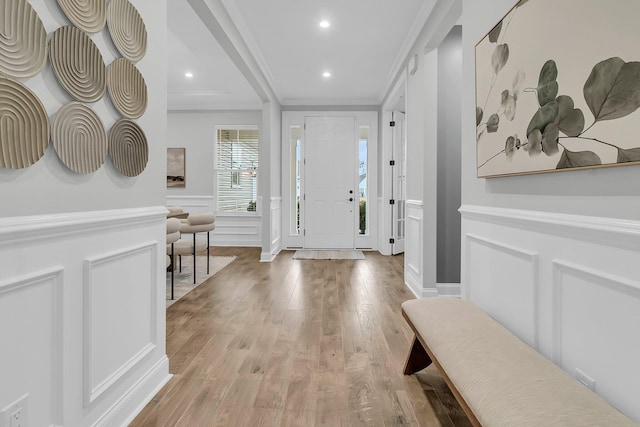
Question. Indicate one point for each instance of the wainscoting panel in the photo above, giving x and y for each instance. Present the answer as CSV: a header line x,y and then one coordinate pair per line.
x,y
276,226
512,302
243,229
592,310
569,281
123,281
413,271
82,317
192,204
31,333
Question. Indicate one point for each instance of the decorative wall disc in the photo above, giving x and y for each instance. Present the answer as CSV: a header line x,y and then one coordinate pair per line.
x,y
23,40
127,29
88,15
127,88
79,138
128,147
24,126
78,64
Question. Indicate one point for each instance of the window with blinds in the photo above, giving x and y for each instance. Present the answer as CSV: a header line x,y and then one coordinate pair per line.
x,y
236,169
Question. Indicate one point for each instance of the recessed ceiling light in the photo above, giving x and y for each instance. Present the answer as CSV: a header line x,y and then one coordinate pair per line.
x,y
326,74
188,75
325,24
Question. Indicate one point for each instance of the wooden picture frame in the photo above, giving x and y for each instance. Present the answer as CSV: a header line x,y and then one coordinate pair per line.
x,y
558,88
176,173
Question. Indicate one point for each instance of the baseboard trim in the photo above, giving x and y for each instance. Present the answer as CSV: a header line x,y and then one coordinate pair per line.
x,y
449,290
147,386
268,257
422,292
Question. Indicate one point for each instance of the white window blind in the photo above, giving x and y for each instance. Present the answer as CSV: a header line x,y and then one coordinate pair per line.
x,y
237,169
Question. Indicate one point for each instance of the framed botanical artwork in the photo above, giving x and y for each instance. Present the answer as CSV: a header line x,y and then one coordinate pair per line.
x,y
175,167
558,88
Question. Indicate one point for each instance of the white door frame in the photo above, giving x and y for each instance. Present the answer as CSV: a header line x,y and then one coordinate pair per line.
x,y
297,118
398,95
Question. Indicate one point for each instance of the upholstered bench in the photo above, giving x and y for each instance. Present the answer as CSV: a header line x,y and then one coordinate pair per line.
x,y
498,379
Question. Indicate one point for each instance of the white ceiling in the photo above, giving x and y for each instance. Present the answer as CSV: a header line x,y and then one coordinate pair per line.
x,y
363,48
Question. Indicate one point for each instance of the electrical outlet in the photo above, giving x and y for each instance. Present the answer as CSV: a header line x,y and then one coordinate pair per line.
x,y
586,380
15,415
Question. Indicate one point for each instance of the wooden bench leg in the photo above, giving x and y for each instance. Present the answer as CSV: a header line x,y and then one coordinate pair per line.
x,y
418,358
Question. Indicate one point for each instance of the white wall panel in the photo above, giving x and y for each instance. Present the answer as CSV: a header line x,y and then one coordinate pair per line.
x,y
244,229
31,337
276,229
413,271
507,281
570,280
123,281
82,319
594,312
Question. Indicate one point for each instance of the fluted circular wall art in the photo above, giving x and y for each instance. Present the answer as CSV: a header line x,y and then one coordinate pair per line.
x,y
77,64
23,40
79,138
128,147
88,15
24,126
127,88
127,29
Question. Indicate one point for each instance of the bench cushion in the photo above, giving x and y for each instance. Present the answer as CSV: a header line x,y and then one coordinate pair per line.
x,y
503,380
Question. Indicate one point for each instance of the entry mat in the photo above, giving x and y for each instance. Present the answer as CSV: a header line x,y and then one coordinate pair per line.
x,y
328,254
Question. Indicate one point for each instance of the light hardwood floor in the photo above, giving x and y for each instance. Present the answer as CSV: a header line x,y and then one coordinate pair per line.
x,y
296,343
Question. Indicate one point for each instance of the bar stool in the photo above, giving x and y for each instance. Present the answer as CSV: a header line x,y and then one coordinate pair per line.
x,y
194,224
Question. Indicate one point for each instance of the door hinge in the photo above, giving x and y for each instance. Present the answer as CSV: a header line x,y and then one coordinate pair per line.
x,y
392,123
392,202
392,163
392,240
304,161
304,197
304,232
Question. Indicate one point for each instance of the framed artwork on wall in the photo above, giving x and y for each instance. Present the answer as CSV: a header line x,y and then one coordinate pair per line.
x,y
176,167
558,88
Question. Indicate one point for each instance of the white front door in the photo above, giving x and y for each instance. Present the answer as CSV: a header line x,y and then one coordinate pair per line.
x,y
399,182
330,189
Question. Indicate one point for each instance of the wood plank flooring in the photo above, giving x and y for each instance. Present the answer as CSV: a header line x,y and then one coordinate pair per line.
x,y
297,343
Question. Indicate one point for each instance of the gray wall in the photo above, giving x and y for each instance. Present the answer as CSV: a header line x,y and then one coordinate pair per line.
x,y
608,192
449,139
48,187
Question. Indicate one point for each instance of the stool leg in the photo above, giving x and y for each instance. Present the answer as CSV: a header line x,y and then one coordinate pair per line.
x,y
194,258
207,252
172,268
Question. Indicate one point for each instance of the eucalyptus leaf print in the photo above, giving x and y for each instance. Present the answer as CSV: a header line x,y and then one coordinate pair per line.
x,y
500,57
630,155
547,84
613,89
545,115
550,139
570,159
569,87
492,123
570,119
511,145
495,33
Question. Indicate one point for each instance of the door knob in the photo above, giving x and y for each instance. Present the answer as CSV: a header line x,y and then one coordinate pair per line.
x,y
350,191
351,199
